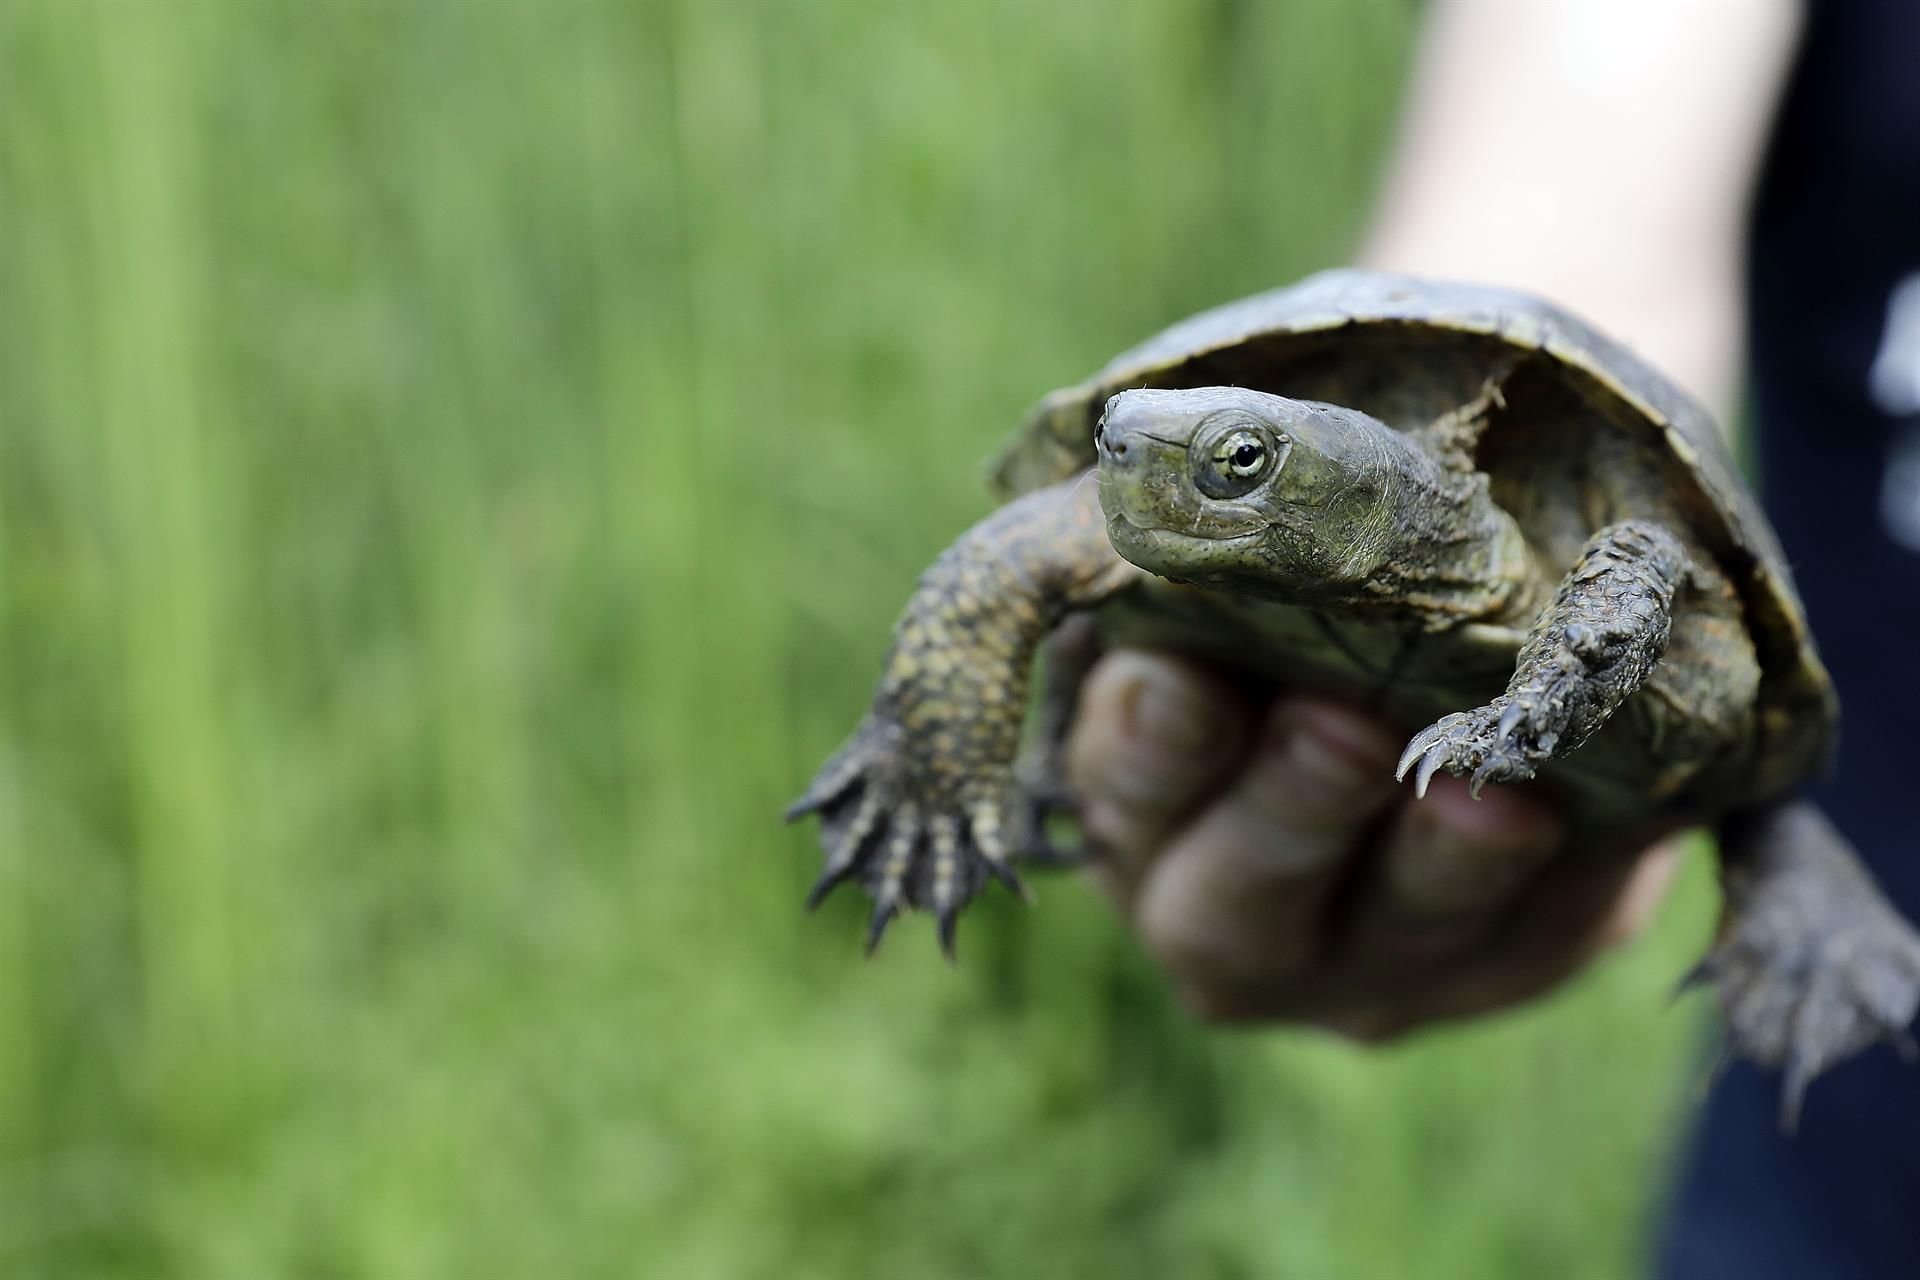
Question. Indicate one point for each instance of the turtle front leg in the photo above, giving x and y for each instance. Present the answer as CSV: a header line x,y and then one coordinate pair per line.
x,y
922,804
1592,647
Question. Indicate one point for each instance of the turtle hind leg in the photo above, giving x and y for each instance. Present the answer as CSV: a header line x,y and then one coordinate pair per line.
x,y
1811,963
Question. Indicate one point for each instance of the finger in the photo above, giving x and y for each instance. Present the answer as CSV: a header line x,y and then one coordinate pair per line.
x,y
1449,870
1155,735
1578,909
1239,894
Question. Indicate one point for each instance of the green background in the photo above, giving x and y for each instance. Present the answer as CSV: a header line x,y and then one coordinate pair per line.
x,y
458,464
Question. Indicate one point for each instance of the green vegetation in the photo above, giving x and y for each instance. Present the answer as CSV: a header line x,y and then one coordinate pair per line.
x,y
458,463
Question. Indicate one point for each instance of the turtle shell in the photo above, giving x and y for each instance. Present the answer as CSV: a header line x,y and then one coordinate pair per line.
x,y
1588,434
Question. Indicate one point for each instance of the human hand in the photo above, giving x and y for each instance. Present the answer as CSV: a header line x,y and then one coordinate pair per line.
x,y
1270,862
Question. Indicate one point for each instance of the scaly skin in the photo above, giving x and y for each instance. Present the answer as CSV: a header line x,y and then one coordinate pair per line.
x,y
1341,511
1812,964
1595,645
922,803
1326,508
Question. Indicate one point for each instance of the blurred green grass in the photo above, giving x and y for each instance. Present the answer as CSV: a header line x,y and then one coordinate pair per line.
x,y
458,464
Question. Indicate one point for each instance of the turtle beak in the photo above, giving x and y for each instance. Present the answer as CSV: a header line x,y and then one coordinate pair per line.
x,y
1124,440
1141,467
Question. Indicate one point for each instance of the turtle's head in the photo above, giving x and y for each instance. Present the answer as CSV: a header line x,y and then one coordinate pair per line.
x,y
1286,499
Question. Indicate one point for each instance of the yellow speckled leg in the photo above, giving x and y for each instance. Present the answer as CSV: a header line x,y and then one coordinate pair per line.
x,y
921,804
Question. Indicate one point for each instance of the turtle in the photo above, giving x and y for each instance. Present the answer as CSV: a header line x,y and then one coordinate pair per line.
x,y
1456,505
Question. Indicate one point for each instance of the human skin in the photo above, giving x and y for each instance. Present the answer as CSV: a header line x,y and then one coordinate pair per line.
x,y
1261,849
1274,868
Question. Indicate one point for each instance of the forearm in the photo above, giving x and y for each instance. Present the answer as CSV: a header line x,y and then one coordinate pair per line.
x,y
1599,152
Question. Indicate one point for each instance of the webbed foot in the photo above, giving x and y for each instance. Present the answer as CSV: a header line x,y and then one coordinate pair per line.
x,y
1812,964
914,835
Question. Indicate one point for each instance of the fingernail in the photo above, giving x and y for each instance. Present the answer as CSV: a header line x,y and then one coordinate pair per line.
x,y
1160,710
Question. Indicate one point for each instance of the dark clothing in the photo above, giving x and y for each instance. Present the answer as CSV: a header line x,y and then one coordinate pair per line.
x,y
1835,232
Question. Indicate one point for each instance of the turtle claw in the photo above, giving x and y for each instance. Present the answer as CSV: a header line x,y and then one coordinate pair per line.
x,y
913,838
1425,748
1429,765
836,778
1495,743
849,821
1496,768
1424,742
1701,975
829,881
1039,848
1042,774
945,927
883,914
1007,876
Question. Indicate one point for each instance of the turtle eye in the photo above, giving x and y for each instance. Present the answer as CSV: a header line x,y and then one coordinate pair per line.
x,y
1235,463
